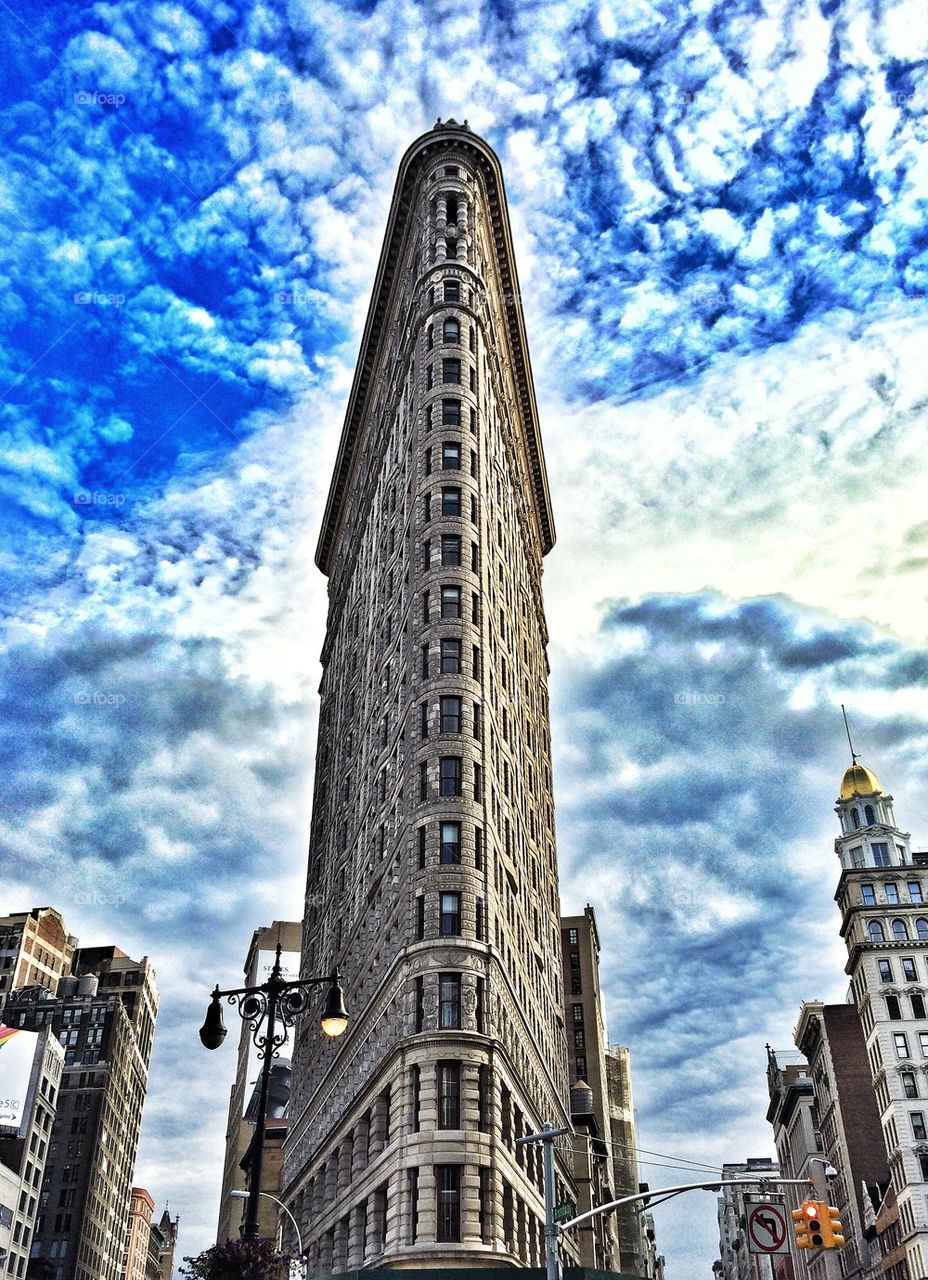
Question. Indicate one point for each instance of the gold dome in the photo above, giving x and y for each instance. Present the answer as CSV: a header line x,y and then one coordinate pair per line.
x,y
859,781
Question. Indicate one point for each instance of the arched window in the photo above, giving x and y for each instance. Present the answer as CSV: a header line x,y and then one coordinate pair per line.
x,y
451,330
855,818
875,930
921,928
900,932
869,814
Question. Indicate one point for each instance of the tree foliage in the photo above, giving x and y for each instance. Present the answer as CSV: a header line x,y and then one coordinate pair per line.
x,y
237,1260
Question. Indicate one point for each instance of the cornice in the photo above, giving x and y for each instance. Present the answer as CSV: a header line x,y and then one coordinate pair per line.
x,y
423,153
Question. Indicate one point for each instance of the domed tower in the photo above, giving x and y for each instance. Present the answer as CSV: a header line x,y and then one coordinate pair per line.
x,y
432,880
882,897
869,835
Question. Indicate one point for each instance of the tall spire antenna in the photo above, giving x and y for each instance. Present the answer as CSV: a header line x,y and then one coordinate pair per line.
x,y
847,730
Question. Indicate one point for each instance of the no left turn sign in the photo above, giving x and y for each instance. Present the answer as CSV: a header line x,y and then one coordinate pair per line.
x,y
767,1228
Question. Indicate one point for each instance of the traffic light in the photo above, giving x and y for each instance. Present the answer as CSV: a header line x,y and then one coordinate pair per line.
x,y
834,1231
807,1224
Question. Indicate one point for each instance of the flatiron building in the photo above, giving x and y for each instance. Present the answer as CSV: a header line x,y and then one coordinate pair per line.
x,y
432,880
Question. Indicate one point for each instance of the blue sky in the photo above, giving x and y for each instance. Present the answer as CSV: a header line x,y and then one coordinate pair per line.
x,y
719,215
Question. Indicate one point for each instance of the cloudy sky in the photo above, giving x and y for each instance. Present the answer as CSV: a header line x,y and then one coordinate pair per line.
x,y
719,216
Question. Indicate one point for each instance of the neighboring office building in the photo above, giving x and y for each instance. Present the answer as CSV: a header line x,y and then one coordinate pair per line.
x,y
796,1135
138,1234
432,878
882,893
35,950
240,1129
831,1039
736,1262
162,1243
104,1016
613,1241
30,1079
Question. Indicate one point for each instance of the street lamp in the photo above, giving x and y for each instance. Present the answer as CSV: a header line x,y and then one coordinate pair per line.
x,y
243,1195
278,1000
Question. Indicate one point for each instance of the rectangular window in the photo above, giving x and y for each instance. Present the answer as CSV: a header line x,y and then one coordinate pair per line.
x,y
412,1179
473,380
474,558
450,921
918,1125
892,1009
429,378
449,1001
476,662
450,657
423,719
477,725
909,1084
450,501
450,603
480,1009
480,915
425,660
421,851
426,554
425,608
448,1082
450,775
886,970
450,370
918,1006
923,1043
478,782
450,413
901,1041
880,854
423,780
452,291
420,916
579,1037
448,1198
451,715
892,892
473,508
867,896
450,549
909,973
915,891
450,456
473,462
577,1013
581,1066
576,984
478,848
428,462
573,937
420,1006
451,842
426,507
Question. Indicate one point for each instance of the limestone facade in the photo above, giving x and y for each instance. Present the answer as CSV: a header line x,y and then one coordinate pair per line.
x,y
432,880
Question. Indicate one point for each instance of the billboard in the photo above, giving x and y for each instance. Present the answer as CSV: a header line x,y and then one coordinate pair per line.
x,y
17,1054
279,1093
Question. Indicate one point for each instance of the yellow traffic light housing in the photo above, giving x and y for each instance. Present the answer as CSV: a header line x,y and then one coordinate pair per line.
x,y
808,1222
833,1229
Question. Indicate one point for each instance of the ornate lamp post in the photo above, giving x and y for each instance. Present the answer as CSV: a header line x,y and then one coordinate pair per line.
x,y
276,1003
